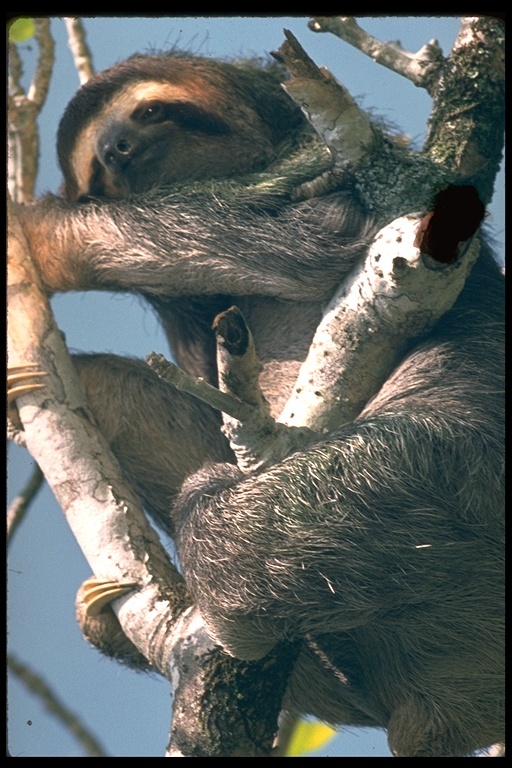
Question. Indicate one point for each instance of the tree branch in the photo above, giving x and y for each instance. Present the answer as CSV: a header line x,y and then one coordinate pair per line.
x,y
258,441
463,144
82,54
23,137
103,512
120,545
420,67
50,700
398,287
331,110
397,296
466,127
19,506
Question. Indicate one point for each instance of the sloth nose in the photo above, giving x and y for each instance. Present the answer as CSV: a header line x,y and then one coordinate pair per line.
x,y
116,150
117,153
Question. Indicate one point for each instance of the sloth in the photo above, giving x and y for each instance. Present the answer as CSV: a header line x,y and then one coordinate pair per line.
x,y
381,543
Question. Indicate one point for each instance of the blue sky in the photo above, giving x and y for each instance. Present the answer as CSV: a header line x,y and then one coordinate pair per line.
x,y
130,712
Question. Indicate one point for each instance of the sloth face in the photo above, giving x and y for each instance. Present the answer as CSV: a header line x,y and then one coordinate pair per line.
x,y
152,134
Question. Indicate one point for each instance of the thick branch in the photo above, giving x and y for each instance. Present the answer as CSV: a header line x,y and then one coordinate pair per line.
x,y
120,545
101,508
108,521
397,295
413,274
466,132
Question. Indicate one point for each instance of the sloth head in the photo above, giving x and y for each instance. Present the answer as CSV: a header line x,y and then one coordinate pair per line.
x,y
152,121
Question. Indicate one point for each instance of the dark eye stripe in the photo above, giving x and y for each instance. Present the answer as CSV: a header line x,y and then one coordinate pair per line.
x,y
184,114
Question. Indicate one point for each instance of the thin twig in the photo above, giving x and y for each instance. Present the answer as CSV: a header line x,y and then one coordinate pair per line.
x,y
19,506
199,388
418,67
42,690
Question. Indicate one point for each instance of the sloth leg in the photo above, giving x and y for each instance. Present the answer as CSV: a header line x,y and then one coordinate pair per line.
x,y
159,435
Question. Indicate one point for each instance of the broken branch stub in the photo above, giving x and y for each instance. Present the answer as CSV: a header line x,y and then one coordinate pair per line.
x,y
396,296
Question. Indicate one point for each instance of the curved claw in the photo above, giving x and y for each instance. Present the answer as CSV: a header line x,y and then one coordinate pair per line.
x,y
18,380
98,593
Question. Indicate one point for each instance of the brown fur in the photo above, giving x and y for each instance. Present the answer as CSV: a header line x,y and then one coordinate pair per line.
x,y
382,544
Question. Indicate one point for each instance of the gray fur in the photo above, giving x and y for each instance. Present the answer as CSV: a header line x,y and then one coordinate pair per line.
x,y
382,545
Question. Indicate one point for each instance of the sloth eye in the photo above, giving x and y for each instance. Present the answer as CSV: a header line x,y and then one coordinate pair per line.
x,y
150,113
183,114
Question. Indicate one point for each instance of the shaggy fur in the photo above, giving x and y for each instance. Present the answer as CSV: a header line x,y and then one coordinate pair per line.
x,y
382,545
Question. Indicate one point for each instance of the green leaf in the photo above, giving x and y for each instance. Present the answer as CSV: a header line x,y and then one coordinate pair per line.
x,y
308,736
21,29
